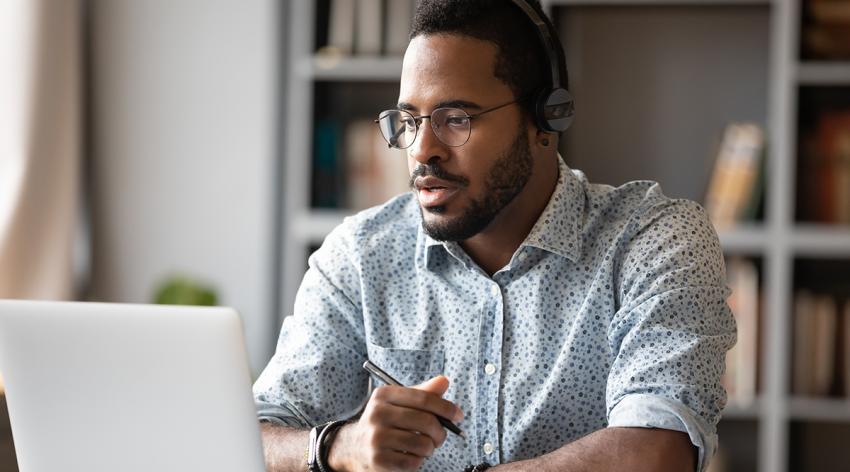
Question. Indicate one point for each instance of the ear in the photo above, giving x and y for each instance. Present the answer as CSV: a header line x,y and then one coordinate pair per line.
x,y
545,139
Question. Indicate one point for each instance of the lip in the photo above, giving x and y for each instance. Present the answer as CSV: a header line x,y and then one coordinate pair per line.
x,y
432,191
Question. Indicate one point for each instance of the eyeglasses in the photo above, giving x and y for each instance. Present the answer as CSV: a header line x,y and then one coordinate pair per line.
x,y
452,126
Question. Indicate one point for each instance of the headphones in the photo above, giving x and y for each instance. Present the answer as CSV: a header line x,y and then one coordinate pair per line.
x,y
554,106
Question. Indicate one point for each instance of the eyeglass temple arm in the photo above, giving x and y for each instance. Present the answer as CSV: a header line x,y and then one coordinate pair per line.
x,y
393,141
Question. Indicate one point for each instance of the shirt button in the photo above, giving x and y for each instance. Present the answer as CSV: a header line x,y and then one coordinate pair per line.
x,y
488,448
490,369
495,290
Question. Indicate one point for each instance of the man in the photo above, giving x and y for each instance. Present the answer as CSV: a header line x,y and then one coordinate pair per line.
x,y
563,325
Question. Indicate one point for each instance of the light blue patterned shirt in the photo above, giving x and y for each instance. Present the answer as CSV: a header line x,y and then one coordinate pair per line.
x,y
611,313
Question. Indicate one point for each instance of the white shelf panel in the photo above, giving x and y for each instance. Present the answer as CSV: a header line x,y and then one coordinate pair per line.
x,y
556,3
821,240
820,409
350,68
735,411
748,238
823,73
311,227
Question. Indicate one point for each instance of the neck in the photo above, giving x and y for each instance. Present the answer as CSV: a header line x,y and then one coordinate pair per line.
x,y
493,247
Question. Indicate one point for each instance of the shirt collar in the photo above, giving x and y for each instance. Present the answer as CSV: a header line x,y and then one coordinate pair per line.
x,y
556,230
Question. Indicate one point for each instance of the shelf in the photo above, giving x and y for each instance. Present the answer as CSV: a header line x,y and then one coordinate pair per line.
x,y
590,3
312,226
824,73
821,240
820,409
331,68
734,411
744,238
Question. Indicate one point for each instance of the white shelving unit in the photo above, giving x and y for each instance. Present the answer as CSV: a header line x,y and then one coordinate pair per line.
x,y
777,241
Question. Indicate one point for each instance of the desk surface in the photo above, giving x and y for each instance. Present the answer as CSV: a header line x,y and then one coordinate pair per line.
x,y
8,462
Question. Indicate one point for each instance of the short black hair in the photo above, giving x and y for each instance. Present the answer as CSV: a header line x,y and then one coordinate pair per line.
x,y
521,58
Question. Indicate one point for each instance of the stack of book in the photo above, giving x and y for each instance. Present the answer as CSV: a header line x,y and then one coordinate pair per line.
x,y
735,189
353,167
366,27
826,31
821,345
740,378
824,170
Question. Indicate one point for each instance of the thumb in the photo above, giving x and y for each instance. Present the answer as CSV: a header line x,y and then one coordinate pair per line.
x,y
437,385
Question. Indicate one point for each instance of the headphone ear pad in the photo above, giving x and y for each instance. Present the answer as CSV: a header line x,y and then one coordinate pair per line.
x,y
541,98
555,110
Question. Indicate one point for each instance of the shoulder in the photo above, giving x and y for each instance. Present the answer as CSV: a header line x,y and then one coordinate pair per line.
x,y
394,223
640,207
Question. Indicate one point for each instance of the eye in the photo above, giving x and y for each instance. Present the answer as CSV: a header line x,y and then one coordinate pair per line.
x,y
457,121
409,123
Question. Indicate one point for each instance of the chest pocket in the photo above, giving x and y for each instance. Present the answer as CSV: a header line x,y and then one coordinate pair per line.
x,y
408,366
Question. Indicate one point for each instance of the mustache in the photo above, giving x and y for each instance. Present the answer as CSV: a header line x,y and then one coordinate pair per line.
x,y
425,170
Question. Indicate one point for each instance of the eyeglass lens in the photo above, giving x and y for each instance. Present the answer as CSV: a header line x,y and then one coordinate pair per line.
x,y
399,128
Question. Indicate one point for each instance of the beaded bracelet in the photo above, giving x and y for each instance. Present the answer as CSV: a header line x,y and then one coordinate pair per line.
x,y
477,468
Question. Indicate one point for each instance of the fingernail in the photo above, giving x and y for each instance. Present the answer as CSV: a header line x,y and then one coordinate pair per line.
x,y
458,415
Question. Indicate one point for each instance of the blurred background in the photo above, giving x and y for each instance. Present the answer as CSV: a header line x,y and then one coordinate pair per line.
x,y
196,151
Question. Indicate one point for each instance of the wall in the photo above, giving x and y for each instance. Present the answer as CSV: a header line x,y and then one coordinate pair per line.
x,y
652,99
182,131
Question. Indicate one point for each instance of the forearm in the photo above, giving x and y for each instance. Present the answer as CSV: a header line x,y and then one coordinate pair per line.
x,y
284,448
616,449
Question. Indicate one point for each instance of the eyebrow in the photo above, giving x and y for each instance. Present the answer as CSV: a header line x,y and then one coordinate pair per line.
x,y
444,104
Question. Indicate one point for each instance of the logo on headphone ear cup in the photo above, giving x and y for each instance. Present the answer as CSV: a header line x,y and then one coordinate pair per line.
x,y
555,110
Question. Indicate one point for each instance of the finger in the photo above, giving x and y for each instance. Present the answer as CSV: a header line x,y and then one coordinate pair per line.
x,y
410,419
436,385
419,400
395,461
406,442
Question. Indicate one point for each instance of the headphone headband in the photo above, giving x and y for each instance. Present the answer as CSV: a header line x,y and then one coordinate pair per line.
x,y
554,106
545,36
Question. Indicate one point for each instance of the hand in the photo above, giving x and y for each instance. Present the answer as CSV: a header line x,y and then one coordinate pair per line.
x,y
397,431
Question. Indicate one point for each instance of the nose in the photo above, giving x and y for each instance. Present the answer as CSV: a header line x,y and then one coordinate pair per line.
x,y
427,146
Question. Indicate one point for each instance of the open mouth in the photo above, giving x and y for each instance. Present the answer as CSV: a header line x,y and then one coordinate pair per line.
x,y
434,196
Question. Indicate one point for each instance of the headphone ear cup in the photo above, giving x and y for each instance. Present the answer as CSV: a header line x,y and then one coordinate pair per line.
x,y
540,100
556,109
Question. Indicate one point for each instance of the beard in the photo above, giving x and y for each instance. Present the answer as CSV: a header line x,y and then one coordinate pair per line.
x,y
506,179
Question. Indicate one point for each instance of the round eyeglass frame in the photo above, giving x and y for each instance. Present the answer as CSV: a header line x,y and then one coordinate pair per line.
x,y
417,121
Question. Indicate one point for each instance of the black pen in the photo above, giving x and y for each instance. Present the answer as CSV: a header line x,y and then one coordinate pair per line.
x,y
387,378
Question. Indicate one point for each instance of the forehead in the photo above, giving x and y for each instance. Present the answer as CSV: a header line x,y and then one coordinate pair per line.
x,y
444,67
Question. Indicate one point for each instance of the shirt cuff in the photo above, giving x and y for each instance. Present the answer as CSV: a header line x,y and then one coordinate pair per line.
x,y
650,411
280,415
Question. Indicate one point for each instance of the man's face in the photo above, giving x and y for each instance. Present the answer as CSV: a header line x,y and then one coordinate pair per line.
x,y
462,189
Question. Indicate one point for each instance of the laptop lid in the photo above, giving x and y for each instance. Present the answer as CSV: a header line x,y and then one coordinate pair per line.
x,y
106,387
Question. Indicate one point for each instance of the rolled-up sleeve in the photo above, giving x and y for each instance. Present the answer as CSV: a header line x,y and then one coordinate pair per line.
x,y
670,336
315,374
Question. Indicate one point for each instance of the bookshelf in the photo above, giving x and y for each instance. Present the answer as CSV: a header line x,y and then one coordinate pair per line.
x,y
758,40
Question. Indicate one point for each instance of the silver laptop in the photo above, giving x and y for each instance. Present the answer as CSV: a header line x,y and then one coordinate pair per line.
x,y
108,387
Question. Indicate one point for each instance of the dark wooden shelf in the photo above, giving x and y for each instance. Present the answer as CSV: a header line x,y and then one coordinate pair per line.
x,y
8,461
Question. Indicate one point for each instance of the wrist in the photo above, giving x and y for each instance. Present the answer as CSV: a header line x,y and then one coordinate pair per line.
x,y
338,452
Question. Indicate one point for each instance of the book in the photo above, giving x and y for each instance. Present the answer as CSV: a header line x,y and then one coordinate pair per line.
x,y
803,339
845,357
735,174
826,30
740,378
328,179
341,27
823,359
367,32
374,171
399,18
824,180
833,148
815,335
